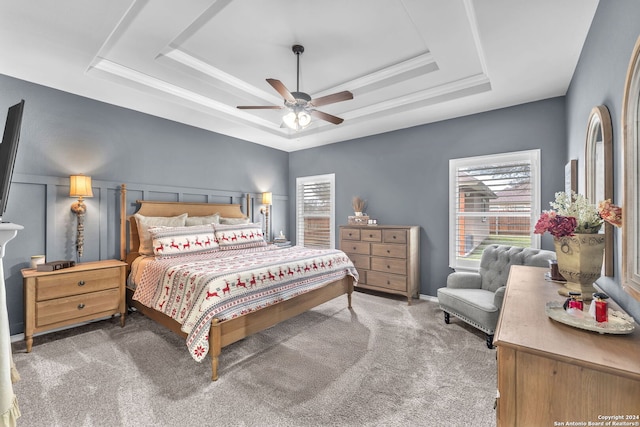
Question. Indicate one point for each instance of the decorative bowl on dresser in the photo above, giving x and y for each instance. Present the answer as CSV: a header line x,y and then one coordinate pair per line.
x,y
73,295
387,257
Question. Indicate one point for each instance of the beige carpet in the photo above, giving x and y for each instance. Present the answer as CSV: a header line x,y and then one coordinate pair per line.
x,y
382,364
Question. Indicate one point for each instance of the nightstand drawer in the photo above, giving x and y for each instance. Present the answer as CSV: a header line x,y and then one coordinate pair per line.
x,y
81,282
350,234
59,310
389,281
355,247
394,251
389,265
371,235
359,261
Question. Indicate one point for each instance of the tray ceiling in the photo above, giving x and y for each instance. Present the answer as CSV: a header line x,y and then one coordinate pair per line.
x,y
407,62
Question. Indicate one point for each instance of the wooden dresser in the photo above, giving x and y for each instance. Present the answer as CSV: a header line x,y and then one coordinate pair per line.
x,y
550,373
387,257
87,291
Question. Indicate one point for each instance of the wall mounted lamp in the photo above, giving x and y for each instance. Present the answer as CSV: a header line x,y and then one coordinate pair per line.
x,y
80,186
266,201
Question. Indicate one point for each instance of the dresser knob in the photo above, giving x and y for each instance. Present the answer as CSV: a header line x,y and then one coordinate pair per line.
x,y
388,266
80,306
370,236
394,236
354,248
81,283
388,282
388,251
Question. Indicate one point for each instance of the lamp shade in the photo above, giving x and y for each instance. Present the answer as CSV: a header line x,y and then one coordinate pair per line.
x,y
266,198
80,186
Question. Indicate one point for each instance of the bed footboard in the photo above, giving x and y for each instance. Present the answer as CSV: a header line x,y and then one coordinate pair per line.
x,y
224,333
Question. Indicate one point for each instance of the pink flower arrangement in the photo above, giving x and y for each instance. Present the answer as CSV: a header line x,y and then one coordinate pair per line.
x,y
574,214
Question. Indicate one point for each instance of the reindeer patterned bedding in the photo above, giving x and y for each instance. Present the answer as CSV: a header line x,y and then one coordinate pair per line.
x,y
193,289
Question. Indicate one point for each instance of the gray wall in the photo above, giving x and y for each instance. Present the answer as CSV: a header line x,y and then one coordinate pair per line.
x,y
599,80
64,134
404,175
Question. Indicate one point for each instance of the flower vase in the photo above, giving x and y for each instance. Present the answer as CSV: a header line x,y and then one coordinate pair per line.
x,y
580,262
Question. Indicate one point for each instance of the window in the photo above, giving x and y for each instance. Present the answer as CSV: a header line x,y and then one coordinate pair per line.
x,y
315,211
493,200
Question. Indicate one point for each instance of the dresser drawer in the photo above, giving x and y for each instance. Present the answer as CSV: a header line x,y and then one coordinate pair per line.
x,y
371,235
394,236
350,234
360,261
355,247
390,250
59,310
388,281
389,265
81,282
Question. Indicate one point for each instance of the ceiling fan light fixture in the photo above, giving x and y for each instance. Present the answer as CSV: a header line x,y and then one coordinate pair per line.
x,y
297,119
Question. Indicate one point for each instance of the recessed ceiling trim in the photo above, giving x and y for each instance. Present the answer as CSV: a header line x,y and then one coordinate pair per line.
x,y
455,89
194,63
118,70
373,80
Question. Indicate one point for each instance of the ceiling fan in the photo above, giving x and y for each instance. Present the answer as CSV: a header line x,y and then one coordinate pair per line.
x,y
300,105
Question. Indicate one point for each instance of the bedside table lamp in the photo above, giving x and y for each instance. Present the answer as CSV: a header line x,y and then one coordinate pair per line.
x,y
80,186
266,201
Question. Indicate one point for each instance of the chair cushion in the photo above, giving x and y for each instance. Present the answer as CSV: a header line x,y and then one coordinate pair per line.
x,y
475,306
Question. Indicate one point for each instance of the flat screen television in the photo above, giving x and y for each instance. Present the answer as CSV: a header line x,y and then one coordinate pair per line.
x,y
8,150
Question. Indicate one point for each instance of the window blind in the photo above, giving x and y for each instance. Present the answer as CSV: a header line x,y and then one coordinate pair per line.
x,y
315,211
494,201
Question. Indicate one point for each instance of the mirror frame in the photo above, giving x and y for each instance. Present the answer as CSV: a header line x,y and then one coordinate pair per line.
x,y
600,123
631,152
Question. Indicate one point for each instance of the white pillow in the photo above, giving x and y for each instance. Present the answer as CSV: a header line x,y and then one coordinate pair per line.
x,y
203,220
145,222
234,220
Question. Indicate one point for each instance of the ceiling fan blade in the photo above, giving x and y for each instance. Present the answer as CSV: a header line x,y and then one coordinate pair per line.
x,y
330,99
282,90
259,107
328,117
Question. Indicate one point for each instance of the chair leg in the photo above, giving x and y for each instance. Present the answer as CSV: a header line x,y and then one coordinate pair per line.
x,y
447,319
490,341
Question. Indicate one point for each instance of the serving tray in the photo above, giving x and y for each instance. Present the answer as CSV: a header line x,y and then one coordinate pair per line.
x,y
619,322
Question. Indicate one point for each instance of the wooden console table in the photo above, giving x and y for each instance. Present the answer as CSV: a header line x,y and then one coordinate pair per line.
x,y
550,373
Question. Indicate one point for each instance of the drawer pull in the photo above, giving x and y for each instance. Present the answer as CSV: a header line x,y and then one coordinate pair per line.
x,y
388,251
388,266
80,306
370,236
350,234
354,248
388,282
394,236
81,283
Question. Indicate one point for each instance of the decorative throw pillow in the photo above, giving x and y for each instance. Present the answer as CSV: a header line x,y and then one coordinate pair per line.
x,y
239,236
234,221
170,241
145,222
203,220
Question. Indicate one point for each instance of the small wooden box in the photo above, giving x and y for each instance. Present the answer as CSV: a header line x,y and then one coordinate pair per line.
x,y
358,220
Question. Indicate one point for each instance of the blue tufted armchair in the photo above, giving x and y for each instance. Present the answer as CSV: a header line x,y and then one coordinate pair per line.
x,y
476,298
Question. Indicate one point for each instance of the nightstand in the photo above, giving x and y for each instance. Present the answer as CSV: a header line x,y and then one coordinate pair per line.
x,y
87,291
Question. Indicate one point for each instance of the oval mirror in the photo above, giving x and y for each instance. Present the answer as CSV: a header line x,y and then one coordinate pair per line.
x,y
599,172
631,156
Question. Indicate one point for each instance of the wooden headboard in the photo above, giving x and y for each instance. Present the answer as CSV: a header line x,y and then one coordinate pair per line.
x,y
158,208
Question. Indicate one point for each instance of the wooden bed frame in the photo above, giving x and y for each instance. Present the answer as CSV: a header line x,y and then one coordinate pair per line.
x,y
221,334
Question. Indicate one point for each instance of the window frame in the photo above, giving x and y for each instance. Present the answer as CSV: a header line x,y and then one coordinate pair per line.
x,y
300,182
532,156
